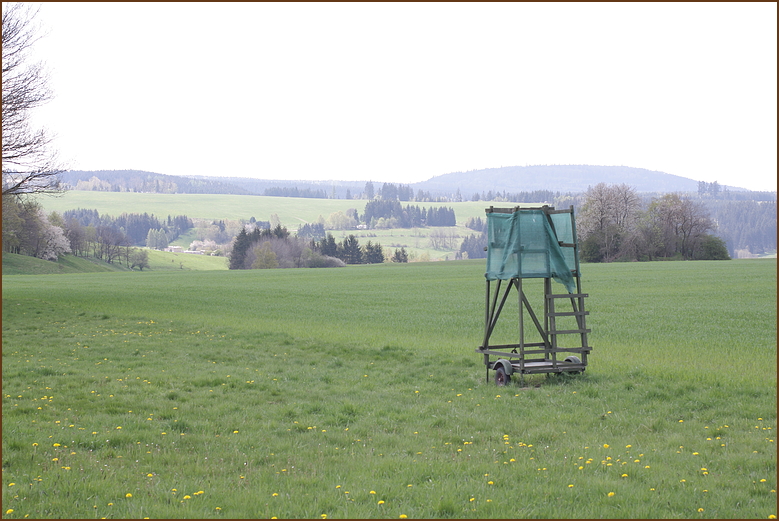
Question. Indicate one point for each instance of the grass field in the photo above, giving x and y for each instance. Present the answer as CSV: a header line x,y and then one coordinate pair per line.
x,y
356,392
292,211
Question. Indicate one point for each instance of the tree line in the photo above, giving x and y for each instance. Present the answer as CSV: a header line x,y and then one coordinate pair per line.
x,y
382,213
293,191
266,248
614,224
134,226
28,230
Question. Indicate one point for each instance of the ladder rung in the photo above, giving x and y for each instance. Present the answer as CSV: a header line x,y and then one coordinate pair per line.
x,y
570,331
568,314
568,295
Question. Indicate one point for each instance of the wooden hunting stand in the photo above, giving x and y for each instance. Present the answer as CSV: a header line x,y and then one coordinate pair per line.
x,y
537,242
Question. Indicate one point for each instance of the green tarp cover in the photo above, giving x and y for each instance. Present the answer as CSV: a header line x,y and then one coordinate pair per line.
x,y
524,244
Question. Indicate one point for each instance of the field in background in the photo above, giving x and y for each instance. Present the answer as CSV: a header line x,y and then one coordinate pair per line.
x,y
356,392
292,212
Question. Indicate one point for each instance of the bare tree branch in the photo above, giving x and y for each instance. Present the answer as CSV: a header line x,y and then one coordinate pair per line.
x,y
30,166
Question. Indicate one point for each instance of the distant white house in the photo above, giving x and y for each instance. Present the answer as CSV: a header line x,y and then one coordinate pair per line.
x,y
196,252
175,249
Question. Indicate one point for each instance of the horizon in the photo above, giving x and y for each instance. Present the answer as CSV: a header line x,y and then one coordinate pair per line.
x,y
329,181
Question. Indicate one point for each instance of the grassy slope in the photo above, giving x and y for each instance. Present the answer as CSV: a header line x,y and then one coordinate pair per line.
x,y
158,261
298,393
14,264
291,211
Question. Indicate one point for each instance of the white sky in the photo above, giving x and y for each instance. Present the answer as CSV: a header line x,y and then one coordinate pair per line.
x,y
406,91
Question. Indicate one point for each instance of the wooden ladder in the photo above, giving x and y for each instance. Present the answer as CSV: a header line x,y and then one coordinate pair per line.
x,y
551,315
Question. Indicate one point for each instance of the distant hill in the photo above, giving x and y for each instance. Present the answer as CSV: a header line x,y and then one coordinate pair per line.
x,y
558,178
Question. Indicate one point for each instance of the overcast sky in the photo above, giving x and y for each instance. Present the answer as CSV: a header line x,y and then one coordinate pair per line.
x,y
406,91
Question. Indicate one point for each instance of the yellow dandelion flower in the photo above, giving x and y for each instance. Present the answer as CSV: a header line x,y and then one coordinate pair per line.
x,y
381,502
275,494
472,499
11,484
324,516
403,516
605,445
128,495
187,497
570,486
9,511
611,494
372,492
700,510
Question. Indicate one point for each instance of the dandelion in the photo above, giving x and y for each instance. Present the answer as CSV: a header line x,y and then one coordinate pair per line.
x,y
605,445
324,516
372,492
403,516
149,475
275,494
381,502
11,484
218,508
624,475
570,486
611,494
700,510
9,511
472,499
490,482
187,497
56,445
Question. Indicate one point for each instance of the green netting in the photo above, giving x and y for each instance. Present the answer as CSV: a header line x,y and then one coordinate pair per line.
x,y
524,244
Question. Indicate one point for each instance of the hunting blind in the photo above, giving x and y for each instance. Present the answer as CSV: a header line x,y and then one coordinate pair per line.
x,y
534,243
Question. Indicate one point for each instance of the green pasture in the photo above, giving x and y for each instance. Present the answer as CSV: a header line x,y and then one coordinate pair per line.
x,y
292,211
14,264
356,393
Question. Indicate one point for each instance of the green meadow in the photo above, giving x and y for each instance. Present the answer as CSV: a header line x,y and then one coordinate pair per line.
x,y
356,393
292,211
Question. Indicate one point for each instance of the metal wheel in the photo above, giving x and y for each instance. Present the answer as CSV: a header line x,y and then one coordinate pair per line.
x,y
501,378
